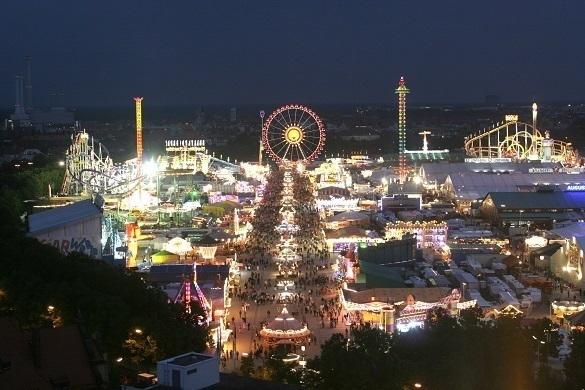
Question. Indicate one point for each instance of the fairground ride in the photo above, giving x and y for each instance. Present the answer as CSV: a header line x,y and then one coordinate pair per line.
x,y
293,134
89,169
515,140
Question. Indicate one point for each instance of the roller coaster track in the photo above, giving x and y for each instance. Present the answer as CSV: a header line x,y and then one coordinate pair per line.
x,y
518,141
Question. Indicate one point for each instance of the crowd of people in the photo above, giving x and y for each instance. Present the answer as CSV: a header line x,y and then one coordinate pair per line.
x,y
287,263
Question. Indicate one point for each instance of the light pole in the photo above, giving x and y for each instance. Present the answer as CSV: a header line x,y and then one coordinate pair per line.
x,y
538,342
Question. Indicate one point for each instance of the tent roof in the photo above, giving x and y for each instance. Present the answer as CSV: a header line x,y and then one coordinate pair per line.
x,y
349,216
178,245
538,200
347,232
284,322
164,253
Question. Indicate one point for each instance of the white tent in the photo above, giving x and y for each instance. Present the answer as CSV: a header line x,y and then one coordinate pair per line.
x,y
138,200
178,246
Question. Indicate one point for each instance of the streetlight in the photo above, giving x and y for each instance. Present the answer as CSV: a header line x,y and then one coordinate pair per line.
x,y
119,360
417,385
538,347
303,362
138,331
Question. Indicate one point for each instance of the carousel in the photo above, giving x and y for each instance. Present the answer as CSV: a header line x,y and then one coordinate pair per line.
x,y
285,330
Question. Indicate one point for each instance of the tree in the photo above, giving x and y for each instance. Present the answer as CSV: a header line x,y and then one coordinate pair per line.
x,y
105,301
546,330
276,369
574,364
367,360
247,366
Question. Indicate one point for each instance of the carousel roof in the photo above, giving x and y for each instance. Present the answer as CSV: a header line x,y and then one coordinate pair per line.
x,y
285,324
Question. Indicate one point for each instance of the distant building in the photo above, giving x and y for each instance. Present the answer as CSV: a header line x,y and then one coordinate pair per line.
x,y
233,114
429,234
190,371
402,197
397,203
543,209
53,120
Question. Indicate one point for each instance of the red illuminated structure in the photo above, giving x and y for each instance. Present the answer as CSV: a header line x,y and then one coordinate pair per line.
x,y
402,91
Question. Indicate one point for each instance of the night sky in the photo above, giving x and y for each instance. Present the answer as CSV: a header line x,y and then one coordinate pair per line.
x,y
237,52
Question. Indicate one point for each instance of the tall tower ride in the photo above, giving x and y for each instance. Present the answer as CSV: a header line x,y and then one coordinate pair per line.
x,y
139,149
261,146
401,91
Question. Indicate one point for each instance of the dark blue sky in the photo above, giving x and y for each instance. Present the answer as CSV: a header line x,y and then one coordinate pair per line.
x,y
236,52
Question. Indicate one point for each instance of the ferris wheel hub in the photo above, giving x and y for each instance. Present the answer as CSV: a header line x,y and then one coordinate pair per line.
x,y
293,135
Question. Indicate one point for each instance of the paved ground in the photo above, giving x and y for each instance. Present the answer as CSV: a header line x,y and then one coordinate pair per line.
x,y
257,313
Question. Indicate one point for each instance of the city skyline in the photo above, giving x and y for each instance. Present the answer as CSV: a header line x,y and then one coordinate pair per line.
x,y
264,53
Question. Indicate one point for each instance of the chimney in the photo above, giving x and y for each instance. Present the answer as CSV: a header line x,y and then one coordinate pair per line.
x,y
18,104
28,84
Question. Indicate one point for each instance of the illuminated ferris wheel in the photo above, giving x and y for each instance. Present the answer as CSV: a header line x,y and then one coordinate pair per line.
x,y
293,133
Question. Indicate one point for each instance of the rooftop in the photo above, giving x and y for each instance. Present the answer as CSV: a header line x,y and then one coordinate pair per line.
x,y
389,295
49,219
189,359
473,185
538,200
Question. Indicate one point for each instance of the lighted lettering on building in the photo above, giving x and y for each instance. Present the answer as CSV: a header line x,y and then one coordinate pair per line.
x,y
576,187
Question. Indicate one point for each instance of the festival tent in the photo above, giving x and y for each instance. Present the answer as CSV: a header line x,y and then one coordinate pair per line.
x,y
178,246
163,257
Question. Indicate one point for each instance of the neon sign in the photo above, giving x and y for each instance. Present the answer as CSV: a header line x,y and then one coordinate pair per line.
x,y
576,187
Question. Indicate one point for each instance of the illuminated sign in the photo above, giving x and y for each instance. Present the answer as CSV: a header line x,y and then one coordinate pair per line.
x,y
184,142
541,170
576,187
216,197
182,145
511,118
488,160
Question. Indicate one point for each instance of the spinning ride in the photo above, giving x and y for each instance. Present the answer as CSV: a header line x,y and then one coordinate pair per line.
x,y
293,133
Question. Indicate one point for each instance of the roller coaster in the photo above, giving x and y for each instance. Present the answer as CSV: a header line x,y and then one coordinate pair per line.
x,y
518,141
89,168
